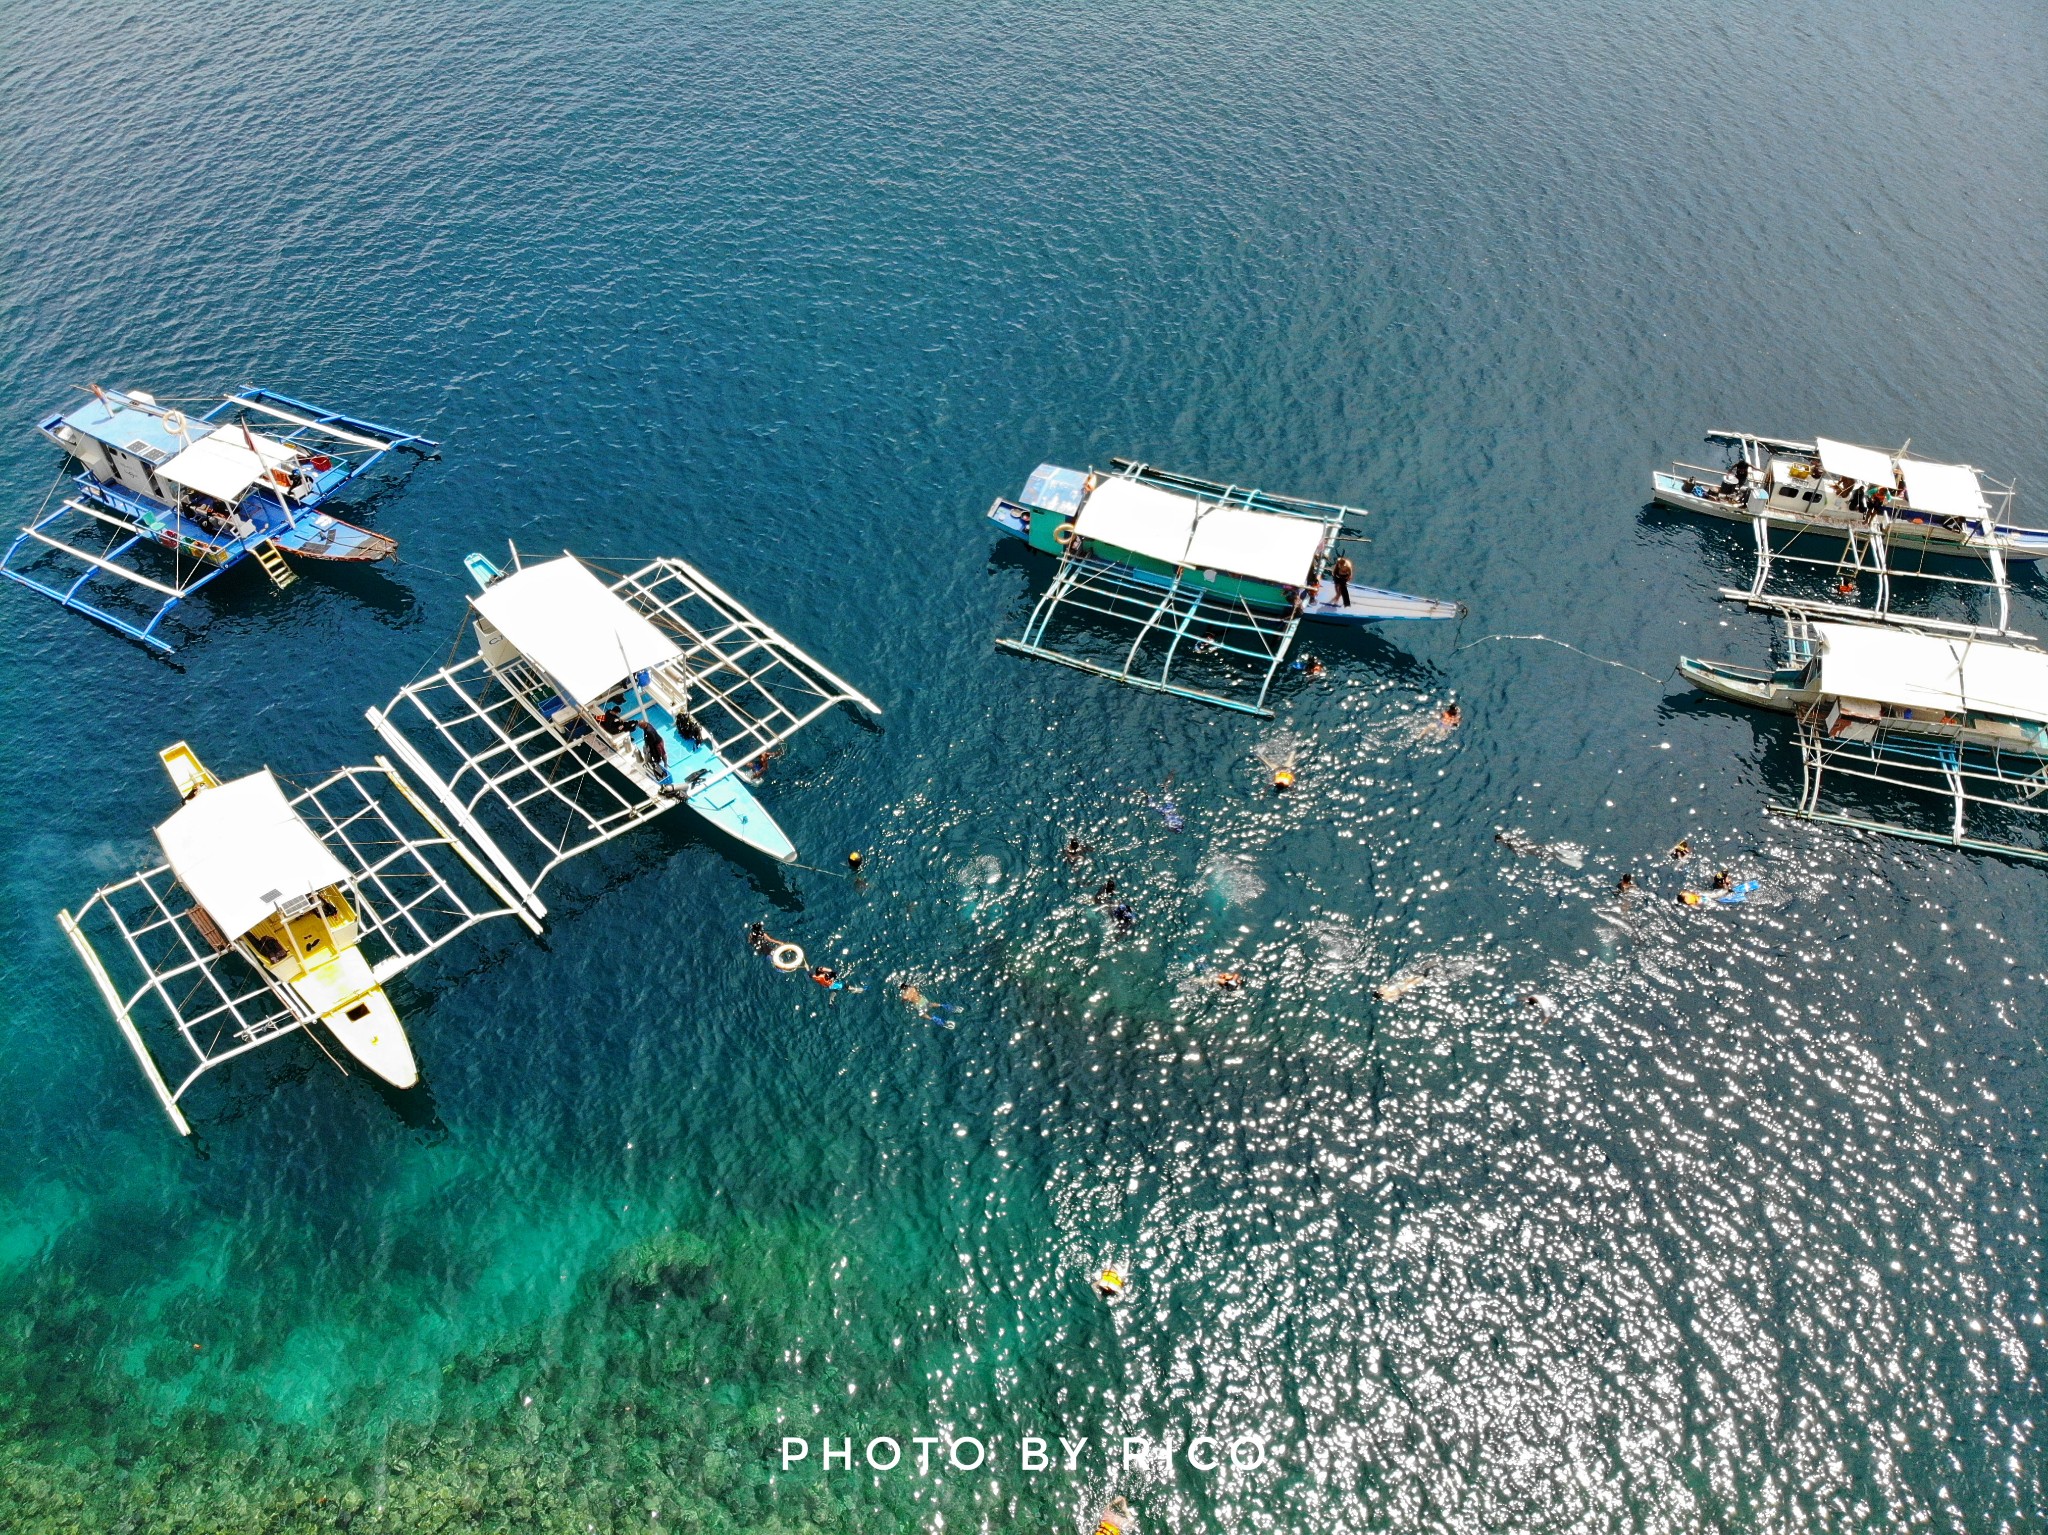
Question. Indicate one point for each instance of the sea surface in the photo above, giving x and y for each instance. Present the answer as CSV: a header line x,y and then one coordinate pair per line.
x,y
1740,1230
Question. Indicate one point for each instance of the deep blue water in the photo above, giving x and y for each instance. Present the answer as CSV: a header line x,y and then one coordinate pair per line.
x,y
1744,1236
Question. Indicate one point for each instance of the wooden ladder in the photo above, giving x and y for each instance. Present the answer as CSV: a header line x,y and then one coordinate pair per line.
x,y
271,558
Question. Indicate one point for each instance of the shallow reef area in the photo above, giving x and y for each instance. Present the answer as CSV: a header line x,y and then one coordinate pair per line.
x,y
657,1402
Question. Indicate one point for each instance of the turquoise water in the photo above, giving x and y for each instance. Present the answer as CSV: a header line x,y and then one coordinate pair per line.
x,y
1743,1236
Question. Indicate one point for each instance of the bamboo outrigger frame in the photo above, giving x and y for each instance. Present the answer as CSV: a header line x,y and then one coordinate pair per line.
x,y
1966,775
485,742
1166,611
1868,553
170,967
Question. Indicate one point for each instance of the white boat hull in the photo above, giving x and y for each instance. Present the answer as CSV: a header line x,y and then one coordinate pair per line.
x,y
2018,546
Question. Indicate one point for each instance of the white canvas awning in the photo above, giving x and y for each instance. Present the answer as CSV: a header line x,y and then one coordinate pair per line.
x,y
1919,671
1865,465
240,849
1140,518
220,464
1262,545
1180,530
563,619
1946,490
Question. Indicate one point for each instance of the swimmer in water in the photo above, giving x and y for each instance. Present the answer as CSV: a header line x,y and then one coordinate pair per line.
x,y
1075,850
1681,850
1228,980
925,1008
1449,717
1107,893
1625,884
1283,779
758,939
1126,920
1109,1284
1115,1519
1724,881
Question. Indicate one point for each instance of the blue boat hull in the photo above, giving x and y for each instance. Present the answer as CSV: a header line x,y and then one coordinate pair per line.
x,y
710,787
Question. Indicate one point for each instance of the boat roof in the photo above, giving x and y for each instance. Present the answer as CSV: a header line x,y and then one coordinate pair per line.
x,y
1180,530
563,619
241,849
129,427
1947,490
1924,671
221,465
1868,466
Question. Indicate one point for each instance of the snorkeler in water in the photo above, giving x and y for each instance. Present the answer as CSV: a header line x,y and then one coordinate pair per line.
x,y
1107,893
926,1009
1075,850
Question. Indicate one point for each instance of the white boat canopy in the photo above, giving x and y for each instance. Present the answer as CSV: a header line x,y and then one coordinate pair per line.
x,y
1141,518
1864,465
220,464
1180,530
572,626
1920,671
1946,490
240,849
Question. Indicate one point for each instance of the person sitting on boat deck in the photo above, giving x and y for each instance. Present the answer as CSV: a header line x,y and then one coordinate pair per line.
x,y
1340,577
689,727
1107,893
610,721
1075,850
268,946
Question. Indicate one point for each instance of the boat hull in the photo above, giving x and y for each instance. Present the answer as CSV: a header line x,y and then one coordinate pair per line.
x,y
1368,605
1751,685
353,1008
1905,530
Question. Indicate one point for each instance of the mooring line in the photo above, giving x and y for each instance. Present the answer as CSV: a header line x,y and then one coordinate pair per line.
x,y
1603,660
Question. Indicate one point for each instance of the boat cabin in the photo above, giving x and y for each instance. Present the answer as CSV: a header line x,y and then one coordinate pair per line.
x,y
261,878
1865,678
200,467
1233,551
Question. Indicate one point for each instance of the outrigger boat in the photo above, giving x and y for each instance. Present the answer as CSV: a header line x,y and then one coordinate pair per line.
x,y
592,706
259,921
1875,504
246,479
1198,567
1958,716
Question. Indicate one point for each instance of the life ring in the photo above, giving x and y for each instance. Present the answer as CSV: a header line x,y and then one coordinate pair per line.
x,y
1063,534
786,957
174,422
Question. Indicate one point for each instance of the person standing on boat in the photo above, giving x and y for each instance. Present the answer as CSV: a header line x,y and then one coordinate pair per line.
x,y
1340,577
